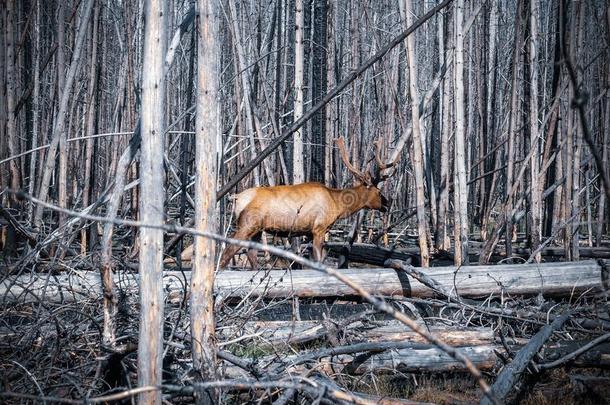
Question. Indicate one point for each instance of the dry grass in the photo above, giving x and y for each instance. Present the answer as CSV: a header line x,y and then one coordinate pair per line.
x,y
557,387
440,388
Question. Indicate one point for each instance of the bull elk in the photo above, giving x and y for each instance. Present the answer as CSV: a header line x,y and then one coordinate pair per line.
x,y
305,209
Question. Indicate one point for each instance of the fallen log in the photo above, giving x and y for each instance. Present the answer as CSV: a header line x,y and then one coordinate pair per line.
x,y
408,360
602,252
277,333
367,253
564,278
418,360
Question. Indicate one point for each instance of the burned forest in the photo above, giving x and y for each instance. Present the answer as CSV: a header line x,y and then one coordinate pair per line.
x,y
304,202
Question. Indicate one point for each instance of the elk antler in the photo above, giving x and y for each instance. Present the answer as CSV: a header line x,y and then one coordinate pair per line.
x,y
377,176
380,164
364,178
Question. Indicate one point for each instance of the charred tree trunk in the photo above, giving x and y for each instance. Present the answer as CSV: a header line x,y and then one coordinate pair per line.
x,y
319,85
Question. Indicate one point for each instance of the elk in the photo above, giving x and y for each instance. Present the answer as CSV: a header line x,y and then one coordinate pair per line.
x,y
305,209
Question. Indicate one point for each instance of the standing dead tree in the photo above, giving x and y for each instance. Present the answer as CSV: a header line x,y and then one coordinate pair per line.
x,y
206,218
59,124
150,347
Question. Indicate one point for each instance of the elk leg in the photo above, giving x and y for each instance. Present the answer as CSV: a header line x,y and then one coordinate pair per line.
x,y
244,233
252,253
318,240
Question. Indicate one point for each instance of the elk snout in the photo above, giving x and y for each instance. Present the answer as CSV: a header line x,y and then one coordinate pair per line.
x,y
385,204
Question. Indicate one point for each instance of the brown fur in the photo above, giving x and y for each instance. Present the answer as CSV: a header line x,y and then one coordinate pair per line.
x,y
300,209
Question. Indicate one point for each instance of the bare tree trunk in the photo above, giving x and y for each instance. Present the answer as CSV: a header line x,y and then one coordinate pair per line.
x,y
12,78
298,169
62,189
589,204
602,219
242,65
4,174
36,110
575,208
491,102
116,192
280,40
418,158
91,113
569,148
318,55
443,241
535,191
208,133
150,347
577,45
331,108
512,129
460,182
60,121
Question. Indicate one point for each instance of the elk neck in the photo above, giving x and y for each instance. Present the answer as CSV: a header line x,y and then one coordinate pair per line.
x,y
350,200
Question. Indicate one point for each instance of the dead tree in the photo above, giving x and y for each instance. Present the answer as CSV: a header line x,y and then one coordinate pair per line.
x,y
150,347
207,133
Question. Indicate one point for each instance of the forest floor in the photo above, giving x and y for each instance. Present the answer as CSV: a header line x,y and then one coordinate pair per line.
x,y
53,349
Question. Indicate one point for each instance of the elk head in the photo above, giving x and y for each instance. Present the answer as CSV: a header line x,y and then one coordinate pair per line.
x,y
369,179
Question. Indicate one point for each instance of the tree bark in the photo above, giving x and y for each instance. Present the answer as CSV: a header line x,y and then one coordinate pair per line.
x,y
602,218
418,141
490,118
36,104
62,173
91,114
12,78
460,184
298,169
535,191
511,154
577,49
443,241
5,179
150,347
319,79
207,136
